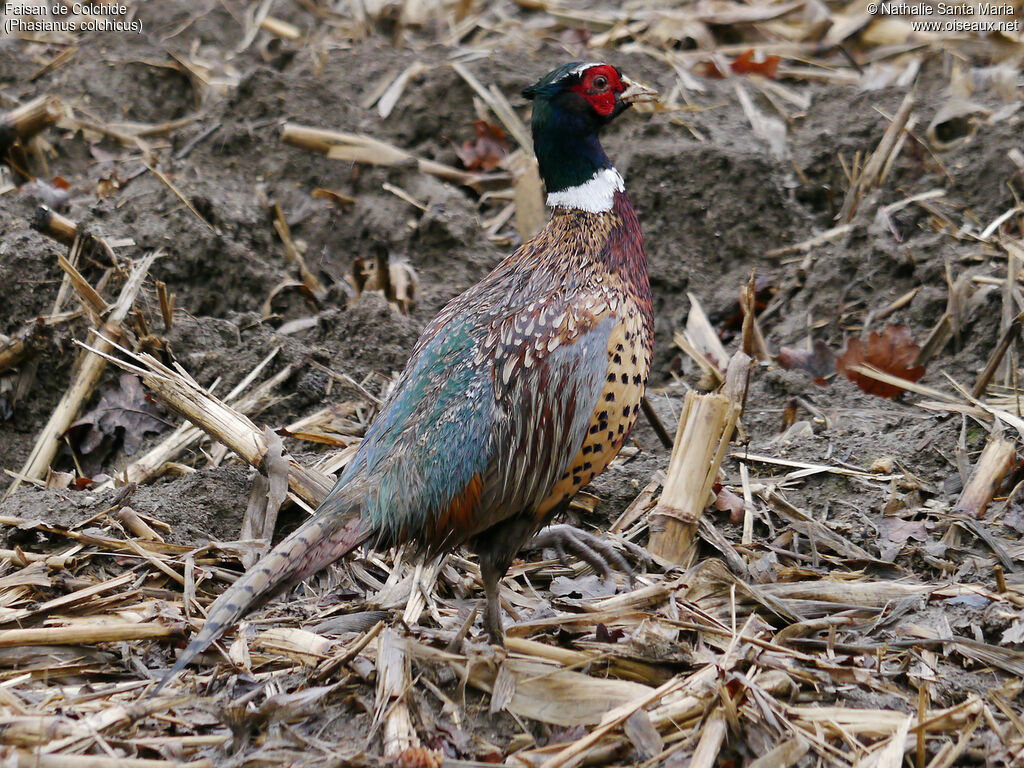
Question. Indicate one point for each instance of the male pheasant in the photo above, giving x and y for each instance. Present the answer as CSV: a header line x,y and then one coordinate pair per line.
x,y
517,394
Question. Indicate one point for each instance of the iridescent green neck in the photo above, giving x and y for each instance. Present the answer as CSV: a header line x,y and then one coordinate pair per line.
x,y
568,149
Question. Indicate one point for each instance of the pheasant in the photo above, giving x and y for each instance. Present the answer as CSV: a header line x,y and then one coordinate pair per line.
x,y
518,393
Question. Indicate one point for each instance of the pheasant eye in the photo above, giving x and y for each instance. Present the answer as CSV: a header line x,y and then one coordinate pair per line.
x,y
600,81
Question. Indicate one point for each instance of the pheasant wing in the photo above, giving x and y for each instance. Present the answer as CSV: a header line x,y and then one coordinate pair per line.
x,y
484,420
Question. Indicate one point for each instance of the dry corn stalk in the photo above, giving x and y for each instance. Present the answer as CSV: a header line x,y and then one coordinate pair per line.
x,y
49,222
394,277
35,759
26,121
360,148
185,397
700,341
151,464
705,428
393,681
21,346
299,645
753,340
996,460
310,280
88,373
873,169
529,197
82,633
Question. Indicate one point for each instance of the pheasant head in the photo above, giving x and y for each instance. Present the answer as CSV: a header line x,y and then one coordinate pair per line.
x,y
570,106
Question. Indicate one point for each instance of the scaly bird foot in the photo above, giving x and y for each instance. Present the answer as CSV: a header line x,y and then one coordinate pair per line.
x,y
595,551
492,575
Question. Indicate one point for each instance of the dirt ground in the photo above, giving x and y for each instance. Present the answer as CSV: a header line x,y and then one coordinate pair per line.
x,y
716,201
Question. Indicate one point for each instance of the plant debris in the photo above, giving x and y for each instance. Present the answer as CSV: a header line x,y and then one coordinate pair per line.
x,y
819,362
891,351
122,418
745,64
487,151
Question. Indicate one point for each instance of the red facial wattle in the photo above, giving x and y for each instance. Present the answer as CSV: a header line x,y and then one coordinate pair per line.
x,y
599,87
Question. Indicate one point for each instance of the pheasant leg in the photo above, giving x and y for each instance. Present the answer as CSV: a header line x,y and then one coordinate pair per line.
x,y
596,552
491,577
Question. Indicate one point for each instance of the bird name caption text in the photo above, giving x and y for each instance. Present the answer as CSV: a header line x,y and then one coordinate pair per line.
x,y
68,17
952,17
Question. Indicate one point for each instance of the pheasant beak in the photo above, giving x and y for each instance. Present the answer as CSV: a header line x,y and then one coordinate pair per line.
x,y
636,93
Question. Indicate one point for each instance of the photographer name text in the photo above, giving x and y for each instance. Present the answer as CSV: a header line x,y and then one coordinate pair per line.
x,y
952,17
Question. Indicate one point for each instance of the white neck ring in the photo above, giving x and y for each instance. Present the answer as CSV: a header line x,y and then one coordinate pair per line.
x,y
595,195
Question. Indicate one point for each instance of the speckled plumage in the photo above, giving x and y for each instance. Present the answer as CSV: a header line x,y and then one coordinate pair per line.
x,y
511,383
517,394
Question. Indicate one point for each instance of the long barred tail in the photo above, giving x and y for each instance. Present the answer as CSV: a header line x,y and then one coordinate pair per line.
x,y
325,537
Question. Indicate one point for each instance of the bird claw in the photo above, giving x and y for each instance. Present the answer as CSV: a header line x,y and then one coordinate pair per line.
x,y
595,551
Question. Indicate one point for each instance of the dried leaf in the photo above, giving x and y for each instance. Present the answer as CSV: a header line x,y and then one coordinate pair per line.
x,y
711,70
892,351
322,193
503,690
419,757
604,635
893,533
1013,633
124,415
108,184
101,155
789,414
587,587
487,151
727,501
745,65
641,732
819,362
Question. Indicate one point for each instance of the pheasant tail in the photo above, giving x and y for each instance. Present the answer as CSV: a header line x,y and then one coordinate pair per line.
x,y
327,536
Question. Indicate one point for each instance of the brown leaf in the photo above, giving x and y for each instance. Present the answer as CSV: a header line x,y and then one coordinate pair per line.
x,y
124,414
745,65
892,351
893,533
819,362
711,70
337,198
487,151
789,413
604,635
419,757
727,501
